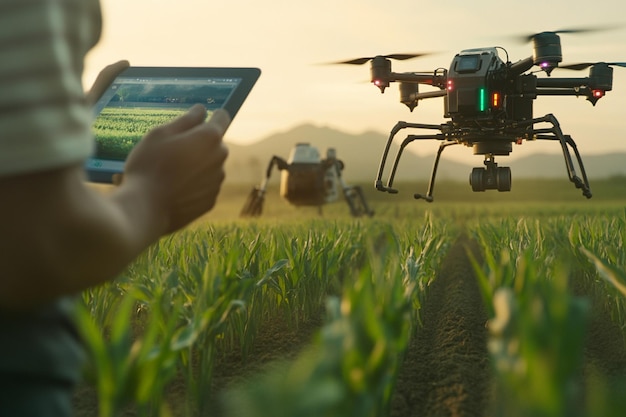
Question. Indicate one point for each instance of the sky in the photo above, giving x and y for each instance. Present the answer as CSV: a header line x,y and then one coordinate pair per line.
x,y
293,41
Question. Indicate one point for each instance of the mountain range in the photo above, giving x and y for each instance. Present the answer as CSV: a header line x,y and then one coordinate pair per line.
x,y
361,154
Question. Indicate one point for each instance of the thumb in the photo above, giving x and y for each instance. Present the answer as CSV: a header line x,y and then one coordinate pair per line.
x,y
194,116
104,80
220,120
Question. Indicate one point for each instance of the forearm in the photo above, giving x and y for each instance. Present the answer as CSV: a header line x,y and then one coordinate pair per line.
x,y
57,236
82,238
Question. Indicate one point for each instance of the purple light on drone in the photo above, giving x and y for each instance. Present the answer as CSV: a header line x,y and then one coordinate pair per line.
x,y
544,65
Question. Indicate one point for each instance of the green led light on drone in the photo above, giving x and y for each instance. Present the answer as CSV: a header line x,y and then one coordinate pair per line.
x,y
482,99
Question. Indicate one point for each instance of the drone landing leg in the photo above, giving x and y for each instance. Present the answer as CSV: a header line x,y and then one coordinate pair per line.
x,y
398,127
389,187
379,182
431,184
565,140
579,183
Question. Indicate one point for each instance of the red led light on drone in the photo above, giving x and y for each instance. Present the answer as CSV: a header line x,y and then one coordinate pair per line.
x,y
450,85
597,93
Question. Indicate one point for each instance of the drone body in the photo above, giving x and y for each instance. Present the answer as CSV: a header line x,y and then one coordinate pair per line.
x,y
489,104
308,180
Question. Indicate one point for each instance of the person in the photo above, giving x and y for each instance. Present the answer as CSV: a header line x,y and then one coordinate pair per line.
x,y
58,235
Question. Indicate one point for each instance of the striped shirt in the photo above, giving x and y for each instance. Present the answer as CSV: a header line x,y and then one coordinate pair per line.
x,y
44,120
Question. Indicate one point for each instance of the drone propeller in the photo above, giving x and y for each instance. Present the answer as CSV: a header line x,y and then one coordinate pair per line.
x,y
399,57
585,65
528,38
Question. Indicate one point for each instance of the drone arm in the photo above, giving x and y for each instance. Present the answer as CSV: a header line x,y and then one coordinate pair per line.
x,y
582,91
562,82
409,95
411,77
521,66
586,87
594,87
564,86
431,94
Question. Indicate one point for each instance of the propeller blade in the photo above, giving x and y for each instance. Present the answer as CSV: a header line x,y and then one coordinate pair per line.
x,y
582,30
399,57
576,67
402,57
529,37
585,65
357,61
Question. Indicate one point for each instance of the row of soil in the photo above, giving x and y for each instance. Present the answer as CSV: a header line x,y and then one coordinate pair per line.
x,y
446,367
447,371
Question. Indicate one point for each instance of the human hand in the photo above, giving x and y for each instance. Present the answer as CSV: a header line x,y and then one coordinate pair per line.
x,y
179,166
103,80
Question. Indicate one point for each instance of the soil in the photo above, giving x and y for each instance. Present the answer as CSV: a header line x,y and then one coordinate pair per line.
x,y
446,370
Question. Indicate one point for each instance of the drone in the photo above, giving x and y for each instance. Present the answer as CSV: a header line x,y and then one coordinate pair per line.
x,y
308,180
489,102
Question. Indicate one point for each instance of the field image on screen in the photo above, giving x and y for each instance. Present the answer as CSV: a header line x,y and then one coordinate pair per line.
x,y
133,106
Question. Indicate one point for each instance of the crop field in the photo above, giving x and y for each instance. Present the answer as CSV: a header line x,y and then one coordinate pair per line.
x,y
118,129
496,307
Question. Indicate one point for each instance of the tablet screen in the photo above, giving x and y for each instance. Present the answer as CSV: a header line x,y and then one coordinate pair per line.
x,y
142,98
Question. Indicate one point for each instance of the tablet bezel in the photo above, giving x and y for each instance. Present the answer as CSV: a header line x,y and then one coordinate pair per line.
x,y
247,75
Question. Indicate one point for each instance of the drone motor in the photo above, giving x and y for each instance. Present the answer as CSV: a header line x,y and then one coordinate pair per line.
x,y
408,94
547,51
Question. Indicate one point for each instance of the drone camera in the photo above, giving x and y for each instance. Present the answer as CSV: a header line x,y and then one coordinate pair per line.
x,y
491,177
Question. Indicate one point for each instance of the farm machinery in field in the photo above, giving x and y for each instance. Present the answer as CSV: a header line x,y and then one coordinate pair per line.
x,y
308,180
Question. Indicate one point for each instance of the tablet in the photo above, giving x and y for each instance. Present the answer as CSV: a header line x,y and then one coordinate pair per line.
x,y
141,98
